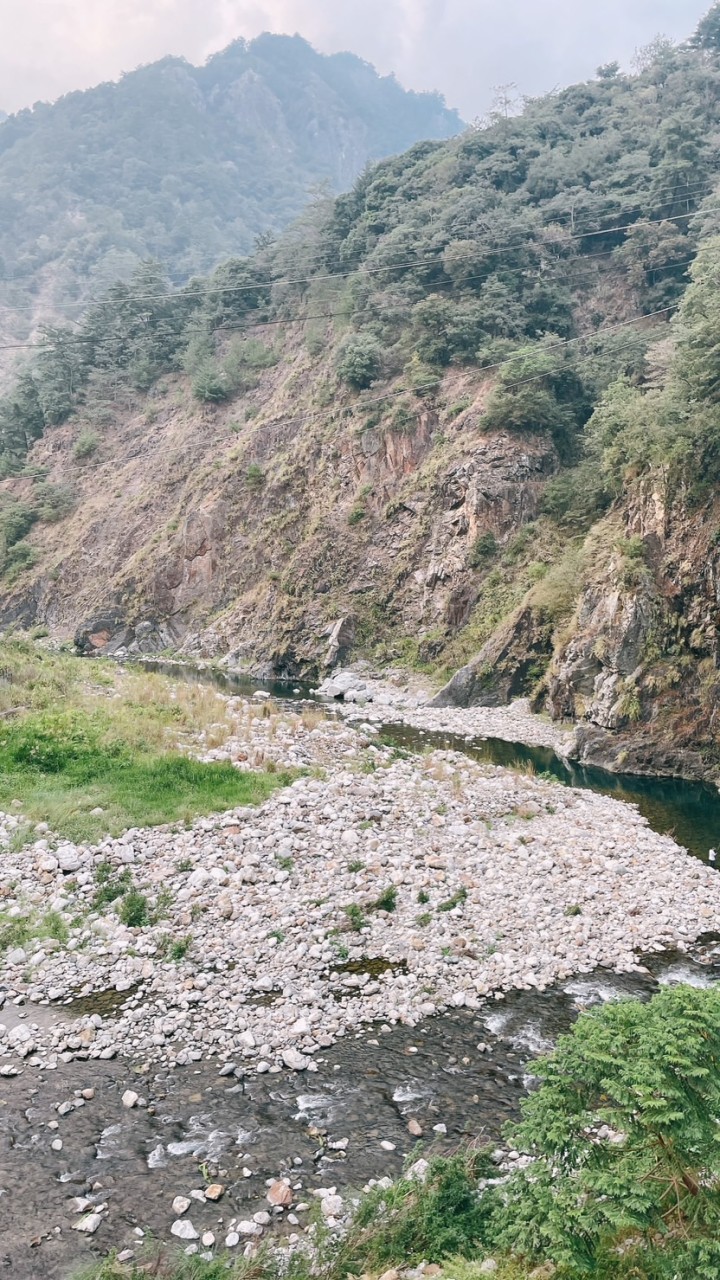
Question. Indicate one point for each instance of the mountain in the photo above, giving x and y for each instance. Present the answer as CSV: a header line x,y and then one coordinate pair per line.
x,y
186,165
466,418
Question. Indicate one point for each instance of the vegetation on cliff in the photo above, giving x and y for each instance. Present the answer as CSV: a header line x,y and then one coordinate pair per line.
x,y
186,164
454,389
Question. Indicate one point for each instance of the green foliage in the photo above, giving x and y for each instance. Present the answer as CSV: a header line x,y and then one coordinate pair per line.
x,y
483,549
359,361
623,1132
86,445
50,742
133,910
111,884
430,1221
707,35
355,917
210,383
254,476
19,931
386,901
456,901
160,169
64,763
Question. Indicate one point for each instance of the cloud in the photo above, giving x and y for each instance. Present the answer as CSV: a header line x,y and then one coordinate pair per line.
x,y
461,47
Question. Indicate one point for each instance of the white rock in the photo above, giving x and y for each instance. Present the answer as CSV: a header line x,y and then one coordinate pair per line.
x,y
88,1224
295,1060
183,1229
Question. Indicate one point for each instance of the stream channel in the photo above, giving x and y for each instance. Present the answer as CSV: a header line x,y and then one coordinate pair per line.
x,y
464,1071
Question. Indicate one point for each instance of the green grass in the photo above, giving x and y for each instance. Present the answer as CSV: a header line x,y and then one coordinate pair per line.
x,y
62,764
18,931
132,793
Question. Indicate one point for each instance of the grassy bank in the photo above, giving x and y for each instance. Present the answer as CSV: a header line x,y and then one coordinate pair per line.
x,y
93,749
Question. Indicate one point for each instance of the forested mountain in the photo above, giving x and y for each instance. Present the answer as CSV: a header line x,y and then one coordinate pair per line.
x,y
468,411
187,164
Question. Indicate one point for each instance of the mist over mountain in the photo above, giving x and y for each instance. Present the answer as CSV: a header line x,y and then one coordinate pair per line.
x,y
187,165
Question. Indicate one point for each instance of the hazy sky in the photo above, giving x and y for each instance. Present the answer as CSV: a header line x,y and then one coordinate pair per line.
x,y
461,47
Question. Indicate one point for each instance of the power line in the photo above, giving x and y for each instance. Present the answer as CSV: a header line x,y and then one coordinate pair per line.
x,y
326,315
482,370
426,258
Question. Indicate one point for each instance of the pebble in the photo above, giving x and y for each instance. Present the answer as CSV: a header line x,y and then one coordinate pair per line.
x,y
503,859
180,1205
130,1099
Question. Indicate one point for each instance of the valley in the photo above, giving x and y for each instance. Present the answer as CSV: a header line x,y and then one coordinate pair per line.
x,y
359,675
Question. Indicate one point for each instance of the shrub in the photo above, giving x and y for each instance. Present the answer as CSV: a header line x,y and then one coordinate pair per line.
x,y
387,900
254,476
356,919
210,384
86,445
483,549
412,1221
360,361
134,909
623,1132
21,556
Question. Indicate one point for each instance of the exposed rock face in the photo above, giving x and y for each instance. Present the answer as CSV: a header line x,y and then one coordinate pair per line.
x,y
505,666
348,534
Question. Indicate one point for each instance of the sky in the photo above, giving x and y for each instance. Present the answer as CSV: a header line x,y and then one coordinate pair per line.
x,y
461,47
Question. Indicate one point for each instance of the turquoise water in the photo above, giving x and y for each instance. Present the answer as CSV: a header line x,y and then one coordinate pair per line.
x,y
688,811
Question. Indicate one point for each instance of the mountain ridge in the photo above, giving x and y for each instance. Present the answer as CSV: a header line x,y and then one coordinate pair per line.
x,y
186,165
465,415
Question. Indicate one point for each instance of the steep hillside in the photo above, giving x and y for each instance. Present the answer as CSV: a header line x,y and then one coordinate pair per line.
x,y
466,416
186,164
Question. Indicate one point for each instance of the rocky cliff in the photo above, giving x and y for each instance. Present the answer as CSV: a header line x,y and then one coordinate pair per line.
x,y
256,528
463,419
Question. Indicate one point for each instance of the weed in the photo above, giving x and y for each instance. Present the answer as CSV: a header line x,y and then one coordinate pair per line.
x,y
134,911
356,865
111,884
175,949
387,900
356,919
423,898
455,901
424,919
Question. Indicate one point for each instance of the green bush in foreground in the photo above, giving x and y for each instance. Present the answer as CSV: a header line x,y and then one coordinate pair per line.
x,y
625,1137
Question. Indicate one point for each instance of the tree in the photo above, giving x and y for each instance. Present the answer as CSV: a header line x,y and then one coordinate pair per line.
x,y
707,35
360,361
698,328
624,1138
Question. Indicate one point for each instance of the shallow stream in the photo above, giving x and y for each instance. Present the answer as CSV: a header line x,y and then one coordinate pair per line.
x,y
460,1075
689,811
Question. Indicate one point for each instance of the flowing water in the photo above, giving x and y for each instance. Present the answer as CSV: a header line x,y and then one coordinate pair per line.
x,y
689,811
460,1074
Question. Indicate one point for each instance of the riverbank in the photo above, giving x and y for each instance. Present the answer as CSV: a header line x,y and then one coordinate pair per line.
x,y
185,997
438,881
